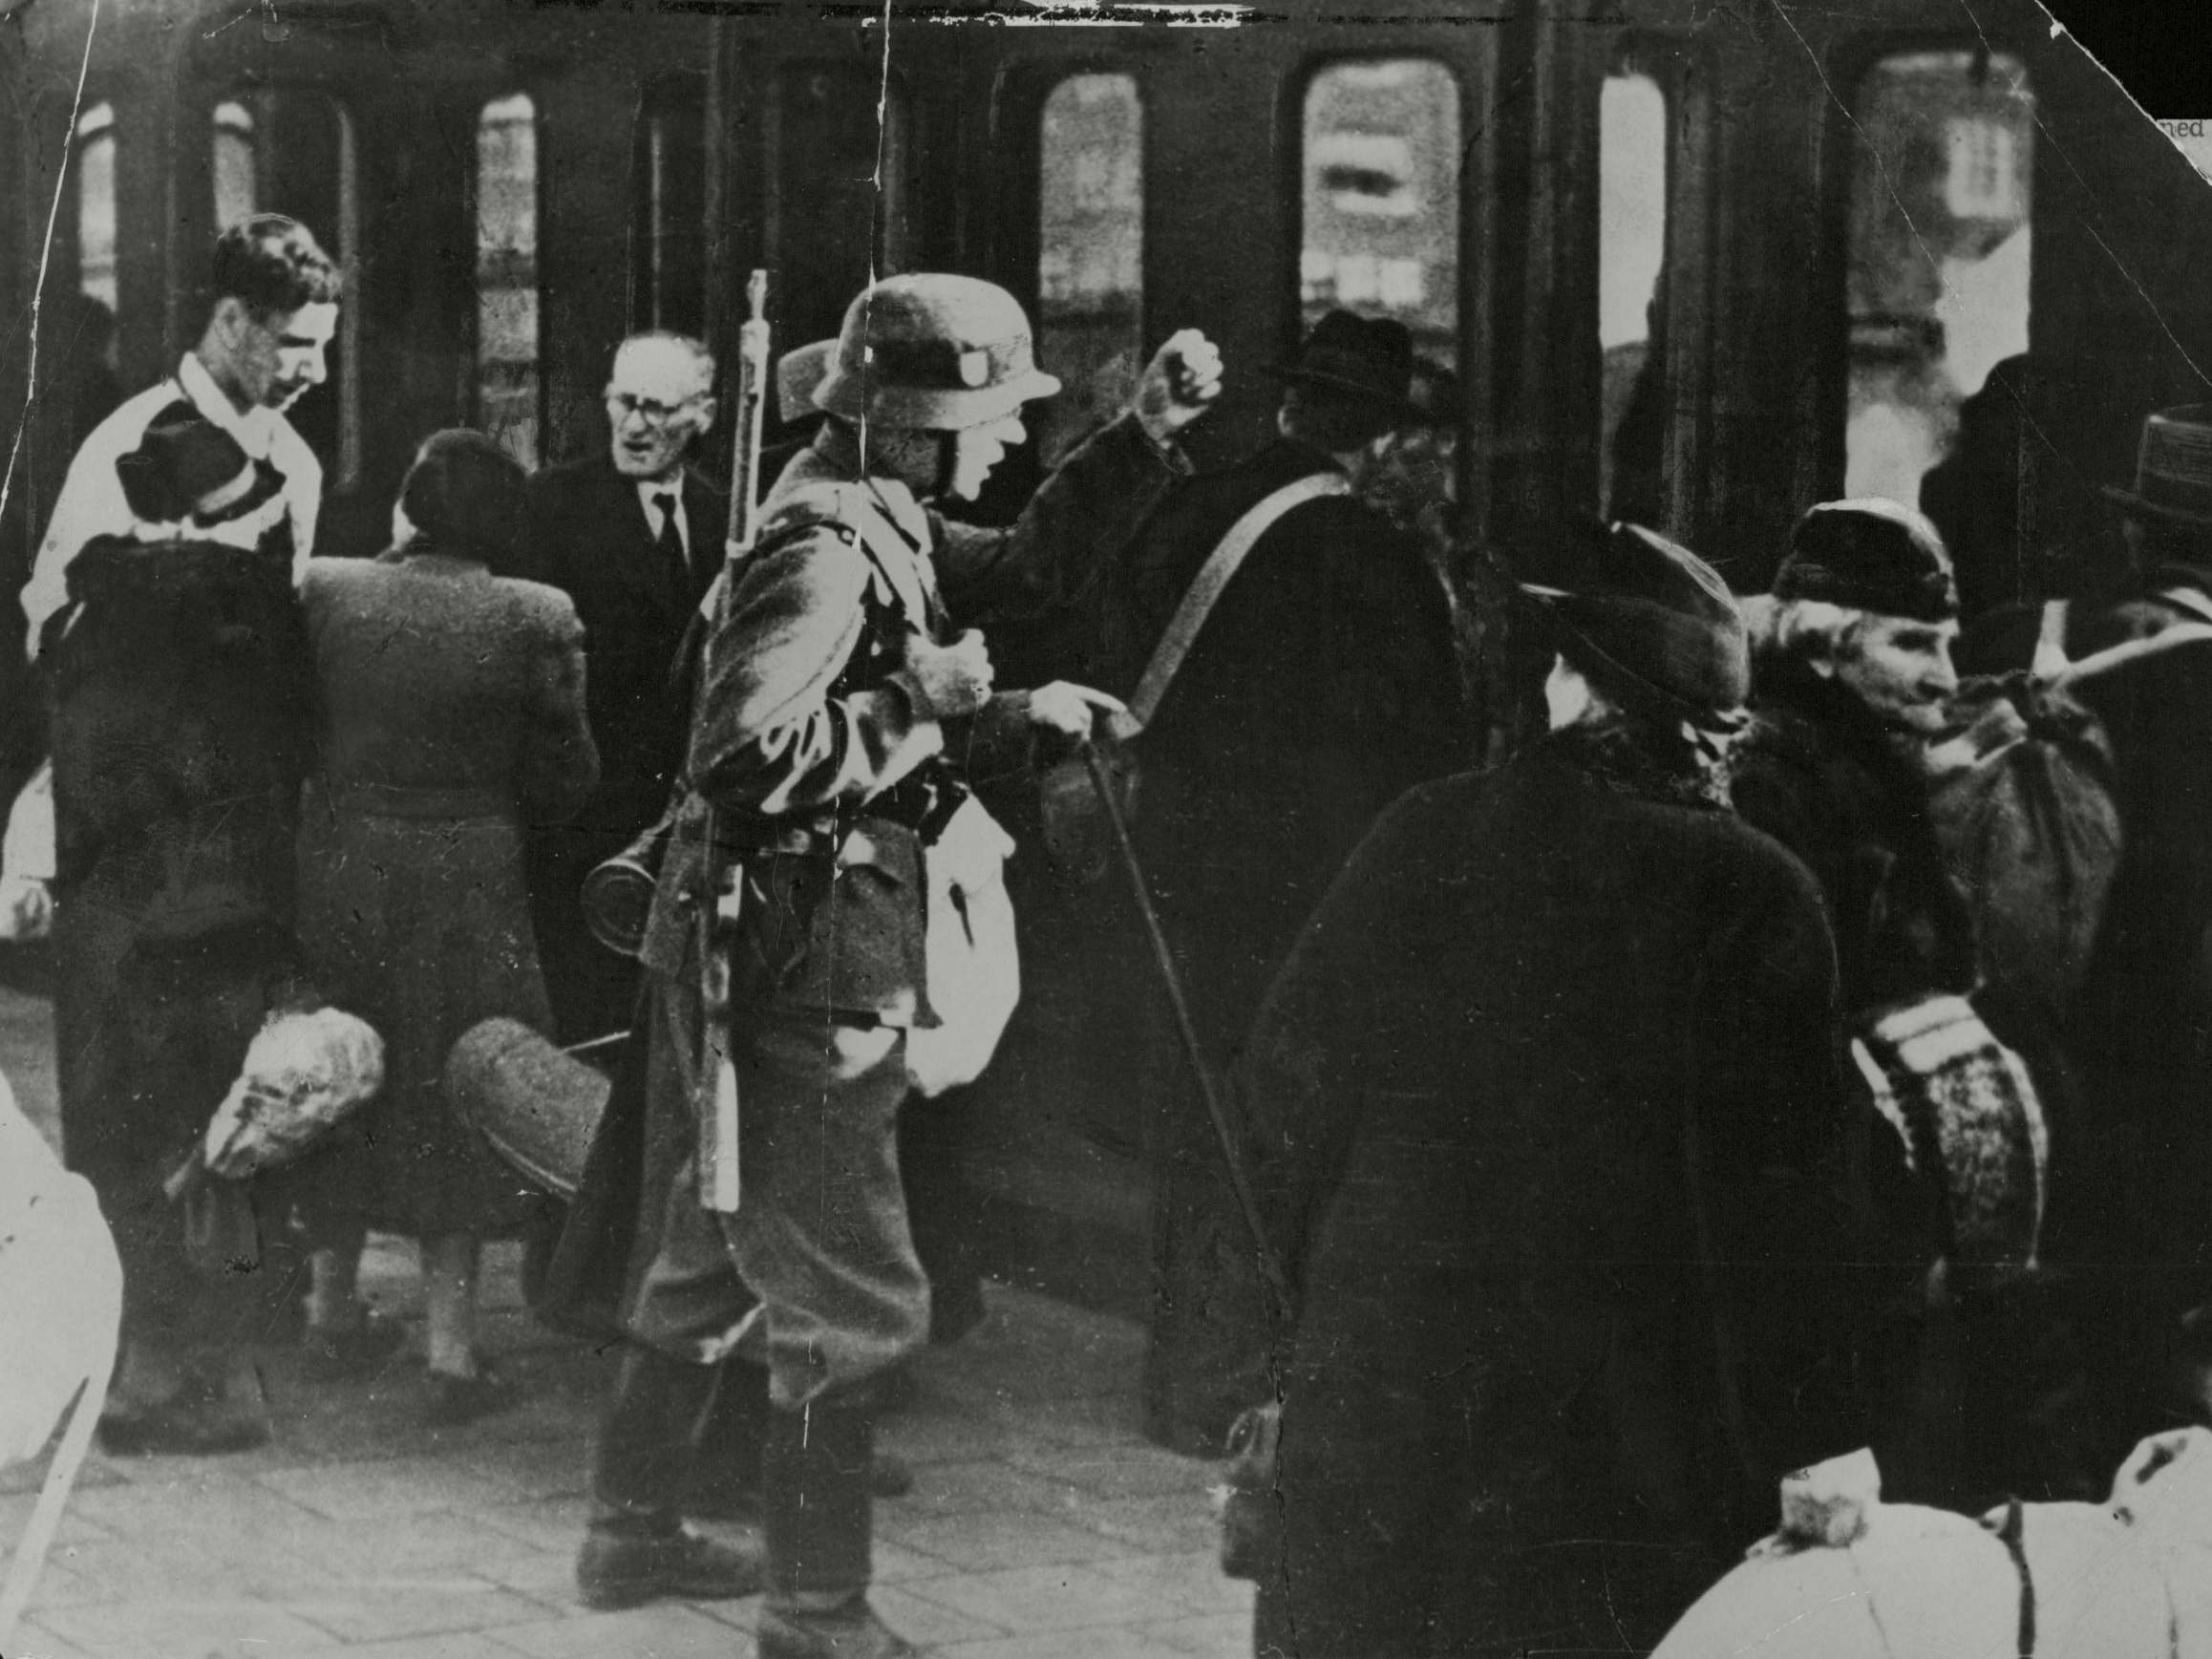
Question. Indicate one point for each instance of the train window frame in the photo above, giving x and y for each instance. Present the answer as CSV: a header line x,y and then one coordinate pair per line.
x,y
340,239
649,305
1683,70
473,175
784,220
1840,144
1298,92
84,134
1041,82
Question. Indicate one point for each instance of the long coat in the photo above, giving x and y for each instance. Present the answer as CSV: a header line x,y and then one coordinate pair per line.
x,y
795,746
451,711
178,742
591,539
1322,685
1534,1002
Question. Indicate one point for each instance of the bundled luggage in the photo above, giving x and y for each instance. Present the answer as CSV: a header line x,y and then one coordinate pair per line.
x,y
2025,811
1849,1575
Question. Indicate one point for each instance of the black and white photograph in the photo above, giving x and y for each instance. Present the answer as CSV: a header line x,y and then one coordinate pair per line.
x,y
1105,829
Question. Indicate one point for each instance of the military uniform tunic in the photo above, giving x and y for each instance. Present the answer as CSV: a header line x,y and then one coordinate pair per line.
x,y
823,769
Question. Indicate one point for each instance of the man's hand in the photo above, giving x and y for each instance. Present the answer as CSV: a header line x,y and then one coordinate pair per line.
x,y
1179,385
1068,709
26,908
954,679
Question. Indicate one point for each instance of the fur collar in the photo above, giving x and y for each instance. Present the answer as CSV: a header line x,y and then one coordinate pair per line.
x,y
1611,753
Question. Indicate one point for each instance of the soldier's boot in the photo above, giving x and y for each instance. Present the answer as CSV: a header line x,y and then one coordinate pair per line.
x,y
725,1477
815,1479
636,1546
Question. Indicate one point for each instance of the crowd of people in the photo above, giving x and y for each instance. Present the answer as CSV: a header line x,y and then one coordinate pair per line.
x,y
1631,1108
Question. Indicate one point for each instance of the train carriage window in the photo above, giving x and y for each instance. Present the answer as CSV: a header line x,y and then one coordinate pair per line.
x,y
236,168
276,149
1091,253
96,203
1939,253
669,253
836,224
1632,202
507,379
1381,197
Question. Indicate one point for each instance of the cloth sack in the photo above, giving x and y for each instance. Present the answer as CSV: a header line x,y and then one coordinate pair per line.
x,y
1849,1575
304,1073
2025,814
973,962
1969,1114
537,1105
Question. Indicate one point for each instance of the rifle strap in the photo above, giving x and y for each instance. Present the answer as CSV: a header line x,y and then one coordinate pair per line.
x,y
1197,602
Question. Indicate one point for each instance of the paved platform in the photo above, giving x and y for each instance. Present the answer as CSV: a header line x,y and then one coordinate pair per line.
x,y
1041,1523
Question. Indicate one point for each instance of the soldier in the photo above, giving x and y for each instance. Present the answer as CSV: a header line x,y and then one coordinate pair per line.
x,y
837,719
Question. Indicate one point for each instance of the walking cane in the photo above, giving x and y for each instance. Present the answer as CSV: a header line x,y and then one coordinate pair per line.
x,y
1270,1266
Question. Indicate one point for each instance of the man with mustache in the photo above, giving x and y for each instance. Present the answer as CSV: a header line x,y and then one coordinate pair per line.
x,y
275,313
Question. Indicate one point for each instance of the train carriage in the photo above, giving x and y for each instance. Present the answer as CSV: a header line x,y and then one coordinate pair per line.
x,y
1716,261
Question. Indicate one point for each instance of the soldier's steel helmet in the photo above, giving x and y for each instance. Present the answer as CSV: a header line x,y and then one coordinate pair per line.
x,y
933,351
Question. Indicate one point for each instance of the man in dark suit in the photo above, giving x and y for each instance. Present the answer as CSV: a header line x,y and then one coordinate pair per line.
x,y
634,539
1321,686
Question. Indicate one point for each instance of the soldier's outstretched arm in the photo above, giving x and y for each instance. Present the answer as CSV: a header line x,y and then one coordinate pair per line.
x,y
1092,504
767,736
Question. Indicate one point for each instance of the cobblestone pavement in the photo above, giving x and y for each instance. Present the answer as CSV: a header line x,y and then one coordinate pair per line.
x,y
1041,1524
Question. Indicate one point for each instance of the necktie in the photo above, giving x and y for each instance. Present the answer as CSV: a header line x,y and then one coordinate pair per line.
x,y
670,540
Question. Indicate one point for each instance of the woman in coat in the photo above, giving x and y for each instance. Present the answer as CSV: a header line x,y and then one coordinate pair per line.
x,y
180,675
1559,1165
451,712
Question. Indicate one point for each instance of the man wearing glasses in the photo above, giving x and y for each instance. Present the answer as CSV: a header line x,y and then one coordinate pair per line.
x,y
634,538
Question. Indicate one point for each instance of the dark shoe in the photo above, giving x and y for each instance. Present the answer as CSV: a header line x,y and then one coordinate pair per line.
x,y
335,1355
849,1632
455,1400
193,1425
618,1570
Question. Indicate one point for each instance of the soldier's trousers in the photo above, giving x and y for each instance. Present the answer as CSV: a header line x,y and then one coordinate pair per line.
x,y
814,1274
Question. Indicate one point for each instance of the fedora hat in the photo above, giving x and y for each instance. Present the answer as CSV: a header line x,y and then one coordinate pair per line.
x,y
1364,357
1653,616
2173,468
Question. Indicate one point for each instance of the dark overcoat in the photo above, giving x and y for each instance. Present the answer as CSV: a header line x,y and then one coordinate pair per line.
x,y
591,537
1547,1020
1322,685
179,734
450,713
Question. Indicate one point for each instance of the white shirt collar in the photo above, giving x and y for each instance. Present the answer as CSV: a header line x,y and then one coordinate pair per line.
x,y
255,430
